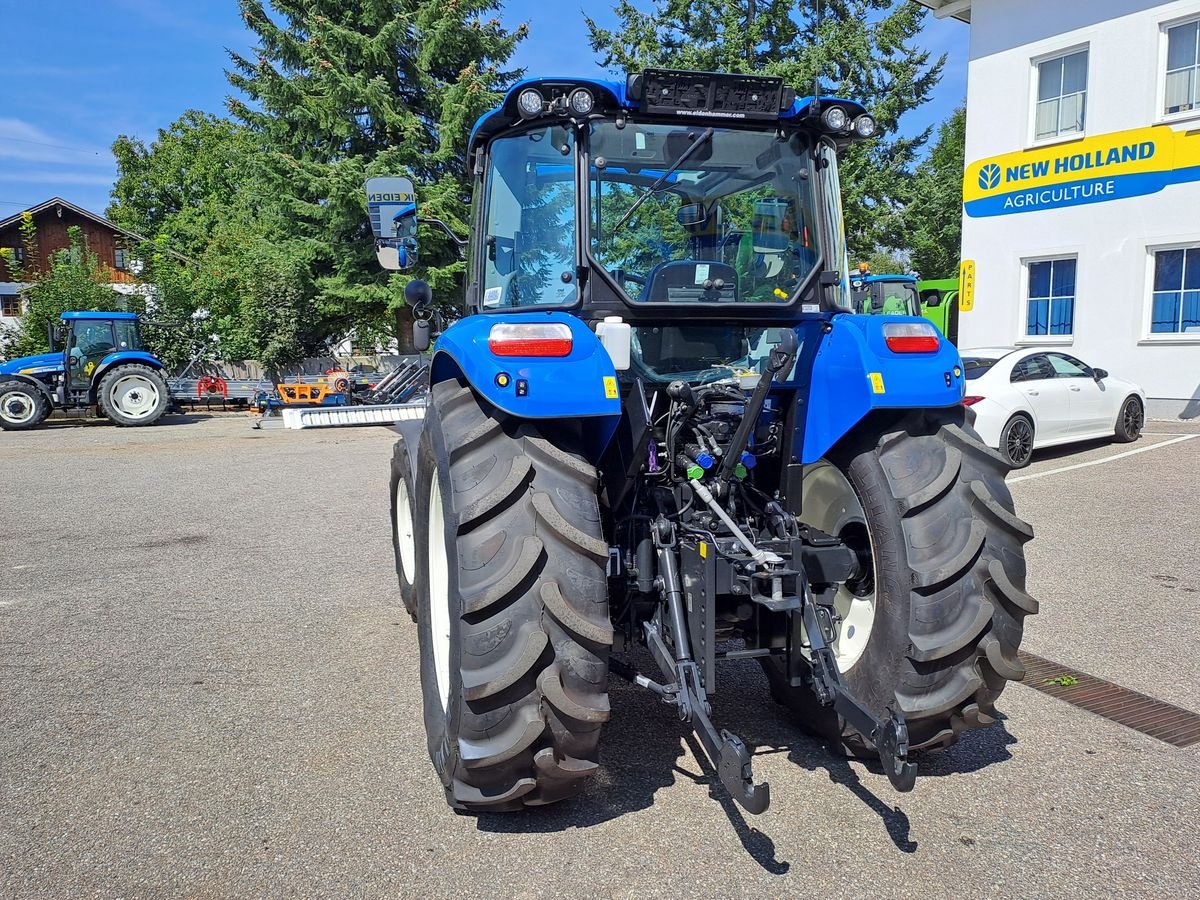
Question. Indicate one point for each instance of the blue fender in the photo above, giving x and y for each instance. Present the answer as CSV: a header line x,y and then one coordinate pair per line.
x,y
854,372
121,357
125,356
581,385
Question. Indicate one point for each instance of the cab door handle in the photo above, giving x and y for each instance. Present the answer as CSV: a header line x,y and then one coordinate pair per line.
x,y
1031,392
1075,388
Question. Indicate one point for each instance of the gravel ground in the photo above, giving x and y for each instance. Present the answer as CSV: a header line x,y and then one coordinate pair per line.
x,y
207,689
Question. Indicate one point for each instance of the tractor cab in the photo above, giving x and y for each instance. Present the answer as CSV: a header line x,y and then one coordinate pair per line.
x,y
702,210
88,339
884,295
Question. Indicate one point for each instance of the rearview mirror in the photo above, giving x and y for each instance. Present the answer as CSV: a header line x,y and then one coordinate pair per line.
x,y
692,215
421,336
392,208
1099,374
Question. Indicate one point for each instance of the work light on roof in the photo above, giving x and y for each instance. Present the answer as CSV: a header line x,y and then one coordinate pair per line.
x,y
530,104
864,126
834,118
582,101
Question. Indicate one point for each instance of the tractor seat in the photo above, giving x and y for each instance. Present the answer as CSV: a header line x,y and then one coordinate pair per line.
x,y
690,281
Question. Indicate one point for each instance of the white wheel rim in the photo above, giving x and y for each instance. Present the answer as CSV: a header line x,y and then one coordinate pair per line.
x,y
134,396
439,591
831,505
18,407
405,541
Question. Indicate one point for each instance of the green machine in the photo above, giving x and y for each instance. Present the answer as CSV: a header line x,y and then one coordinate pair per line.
x,y
939,304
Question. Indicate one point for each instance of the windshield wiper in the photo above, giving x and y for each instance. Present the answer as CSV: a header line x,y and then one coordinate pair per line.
x,y
683,157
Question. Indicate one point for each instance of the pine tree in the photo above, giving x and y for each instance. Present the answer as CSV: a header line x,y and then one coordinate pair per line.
x,y
859,49
934,217
343,91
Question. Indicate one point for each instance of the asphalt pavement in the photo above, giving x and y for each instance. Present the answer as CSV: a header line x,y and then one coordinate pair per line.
x,y
208,689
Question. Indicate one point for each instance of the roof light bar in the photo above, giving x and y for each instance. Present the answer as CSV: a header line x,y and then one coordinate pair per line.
x,y
530,339
911,337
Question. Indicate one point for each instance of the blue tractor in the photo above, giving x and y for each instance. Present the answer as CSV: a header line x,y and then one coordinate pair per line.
x,y
663,439
95,359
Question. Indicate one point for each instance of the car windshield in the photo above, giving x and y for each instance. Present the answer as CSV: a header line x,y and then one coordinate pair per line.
x,y
736,220
974,366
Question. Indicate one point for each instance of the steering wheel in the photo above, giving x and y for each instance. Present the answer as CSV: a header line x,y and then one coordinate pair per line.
x,y
621,276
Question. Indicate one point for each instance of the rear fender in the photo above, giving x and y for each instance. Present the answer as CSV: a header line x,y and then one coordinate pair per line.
x,y
854,373
122,357
581,385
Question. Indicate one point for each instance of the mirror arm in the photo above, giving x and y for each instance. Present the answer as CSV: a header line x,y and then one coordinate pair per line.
x,y
428,220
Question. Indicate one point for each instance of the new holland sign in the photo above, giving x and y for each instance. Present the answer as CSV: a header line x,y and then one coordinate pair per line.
x,y
1093,170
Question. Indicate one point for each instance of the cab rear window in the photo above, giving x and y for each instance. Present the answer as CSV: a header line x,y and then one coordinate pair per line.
x,y
974,366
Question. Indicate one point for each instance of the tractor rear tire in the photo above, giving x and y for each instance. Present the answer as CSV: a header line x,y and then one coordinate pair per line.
x,y
404,545
132,395
22,406
949,582
513,604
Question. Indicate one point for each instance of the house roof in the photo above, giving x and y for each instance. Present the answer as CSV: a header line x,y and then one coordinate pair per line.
x,y
944,9
79,210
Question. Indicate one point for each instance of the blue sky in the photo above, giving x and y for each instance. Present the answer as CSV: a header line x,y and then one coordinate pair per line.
x,y
81,72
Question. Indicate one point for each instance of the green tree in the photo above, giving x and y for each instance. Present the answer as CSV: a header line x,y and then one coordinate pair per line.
x,y
933,218
339,92
863,49
186,183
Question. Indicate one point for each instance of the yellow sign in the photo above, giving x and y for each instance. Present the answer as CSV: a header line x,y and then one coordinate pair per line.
x,y
90,367
610,387
1092,170
877,382
966,285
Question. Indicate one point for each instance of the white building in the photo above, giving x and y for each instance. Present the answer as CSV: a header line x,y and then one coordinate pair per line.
x,y
1082,187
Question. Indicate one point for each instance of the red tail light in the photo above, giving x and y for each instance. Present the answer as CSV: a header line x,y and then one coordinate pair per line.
x,y
911,337
530,339
970,401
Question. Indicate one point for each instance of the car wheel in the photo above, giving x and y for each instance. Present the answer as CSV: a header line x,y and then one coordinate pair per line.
x,y
1131,421
1016,441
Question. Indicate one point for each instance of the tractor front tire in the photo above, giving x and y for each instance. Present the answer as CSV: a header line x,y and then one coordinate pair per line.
x,y
949,583
513,604
404,546
22,406
132,395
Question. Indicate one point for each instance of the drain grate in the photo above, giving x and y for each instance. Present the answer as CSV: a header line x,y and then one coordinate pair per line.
x,y
1164,721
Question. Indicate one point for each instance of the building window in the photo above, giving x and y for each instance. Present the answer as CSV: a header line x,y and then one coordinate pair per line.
x,y
1175,305
1061,95
120,259
1051,307
10,305
1183,67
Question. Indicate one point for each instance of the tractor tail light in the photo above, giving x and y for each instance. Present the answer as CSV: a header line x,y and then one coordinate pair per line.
x,y
530,339
911,337
970,401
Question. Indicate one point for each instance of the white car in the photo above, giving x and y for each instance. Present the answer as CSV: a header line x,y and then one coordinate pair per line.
x,y
1034,397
